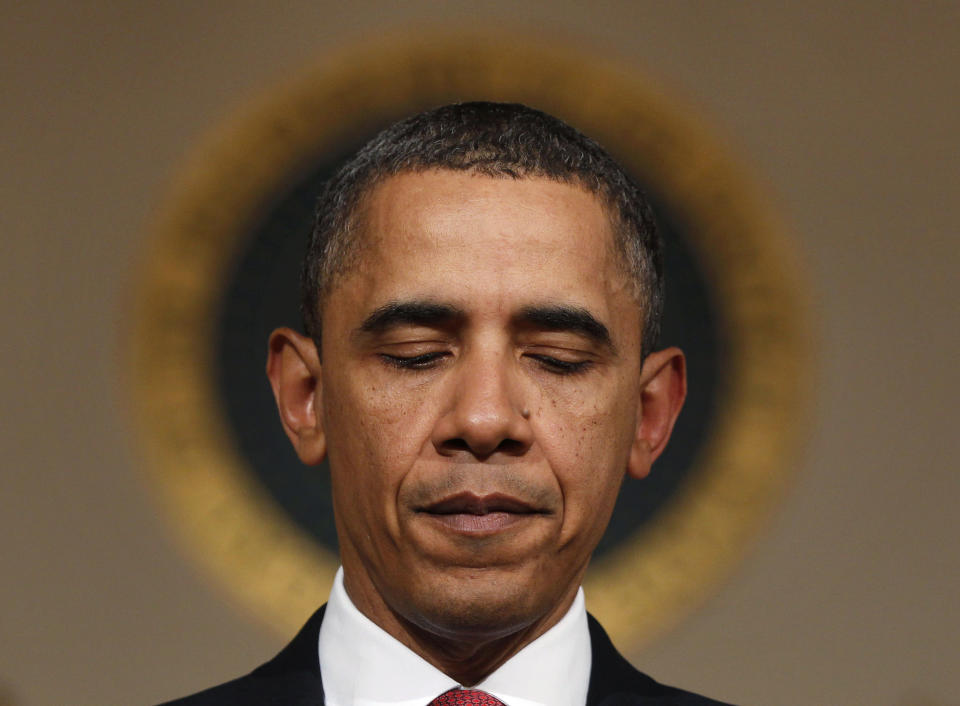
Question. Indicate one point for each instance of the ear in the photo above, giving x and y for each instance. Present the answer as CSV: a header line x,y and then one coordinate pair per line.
x,y
663,385
293,367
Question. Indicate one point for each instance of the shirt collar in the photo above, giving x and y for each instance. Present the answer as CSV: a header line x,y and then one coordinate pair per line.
x,y
362,665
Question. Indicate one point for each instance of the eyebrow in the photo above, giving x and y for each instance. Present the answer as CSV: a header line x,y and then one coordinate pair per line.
x,y
410,313
560,317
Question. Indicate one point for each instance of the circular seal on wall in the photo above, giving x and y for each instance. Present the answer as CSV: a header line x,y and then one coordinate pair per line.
x,y
222,270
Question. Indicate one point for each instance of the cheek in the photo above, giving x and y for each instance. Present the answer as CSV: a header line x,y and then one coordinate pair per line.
x,y
370,452
589,424
587,441
374,431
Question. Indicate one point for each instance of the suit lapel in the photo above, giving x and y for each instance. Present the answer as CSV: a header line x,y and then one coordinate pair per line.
x,y
613,680
292,678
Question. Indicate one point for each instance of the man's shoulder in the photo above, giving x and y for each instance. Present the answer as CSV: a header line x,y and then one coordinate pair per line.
x,y
616,682
289,679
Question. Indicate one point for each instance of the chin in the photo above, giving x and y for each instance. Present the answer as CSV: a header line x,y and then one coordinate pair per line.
x,y
478,603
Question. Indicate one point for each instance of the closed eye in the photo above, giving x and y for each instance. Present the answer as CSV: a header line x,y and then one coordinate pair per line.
x,y
414,362
561,367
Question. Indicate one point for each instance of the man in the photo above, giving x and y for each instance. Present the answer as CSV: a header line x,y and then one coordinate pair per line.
x,y
481,298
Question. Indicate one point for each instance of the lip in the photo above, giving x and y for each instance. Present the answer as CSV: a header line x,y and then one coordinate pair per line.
x,y
469,513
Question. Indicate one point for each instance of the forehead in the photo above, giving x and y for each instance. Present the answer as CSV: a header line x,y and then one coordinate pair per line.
x,y
477,240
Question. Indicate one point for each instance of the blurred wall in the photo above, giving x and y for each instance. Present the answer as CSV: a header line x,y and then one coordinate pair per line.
x,y
849,114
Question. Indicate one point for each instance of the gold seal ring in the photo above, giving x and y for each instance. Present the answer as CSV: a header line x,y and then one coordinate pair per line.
x,y
245,537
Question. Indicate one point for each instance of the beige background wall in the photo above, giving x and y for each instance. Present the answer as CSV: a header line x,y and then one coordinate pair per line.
x,y
848,112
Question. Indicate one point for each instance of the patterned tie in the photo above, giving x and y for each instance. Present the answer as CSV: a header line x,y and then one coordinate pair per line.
x,y
465,697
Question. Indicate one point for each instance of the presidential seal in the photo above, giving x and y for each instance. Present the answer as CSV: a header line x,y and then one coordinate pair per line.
x,y
220,274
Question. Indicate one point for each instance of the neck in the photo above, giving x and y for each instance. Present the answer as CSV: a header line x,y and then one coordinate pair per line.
x,y
466,654
471,658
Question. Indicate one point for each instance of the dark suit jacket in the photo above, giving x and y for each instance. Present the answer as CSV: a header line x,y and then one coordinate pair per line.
x,y
292,678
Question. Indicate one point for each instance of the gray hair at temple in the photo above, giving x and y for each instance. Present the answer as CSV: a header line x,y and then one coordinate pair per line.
x,y
505,140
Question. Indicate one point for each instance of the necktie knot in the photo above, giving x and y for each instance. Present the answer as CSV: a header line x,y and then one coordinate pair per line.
x,y
465,697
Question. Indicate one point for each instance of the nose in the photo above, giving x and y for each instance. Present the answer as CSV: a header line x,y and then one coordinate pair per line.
x,y
485,414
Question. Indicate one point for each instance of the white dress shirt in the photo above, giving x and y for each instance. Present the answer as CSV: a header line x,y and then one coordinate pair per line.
x,y
362,665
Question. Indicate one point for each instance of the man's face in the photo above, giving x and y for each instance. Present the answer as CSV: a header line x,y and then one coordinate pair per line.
x,y
480,396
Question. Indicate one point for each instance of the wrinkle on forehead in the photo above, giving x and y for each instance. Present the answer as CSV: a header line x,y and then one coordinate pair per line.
x,y
389,203
422,230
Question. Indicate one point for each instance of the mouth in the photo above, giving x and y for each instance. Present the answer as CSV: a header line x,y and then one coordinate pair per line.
x,y
480,514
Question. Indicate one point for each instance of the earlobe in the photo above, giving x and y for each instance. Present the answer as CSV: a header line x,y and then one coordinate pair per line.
x,y
293,368
663,381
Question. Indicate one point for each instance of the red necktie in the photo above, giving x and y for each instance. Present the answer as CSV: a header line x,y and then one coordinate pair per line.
x,y
465,697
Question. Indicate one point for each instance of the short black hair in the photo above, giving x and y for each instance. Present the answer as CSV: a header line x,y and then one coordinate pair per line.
x,y
504,140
